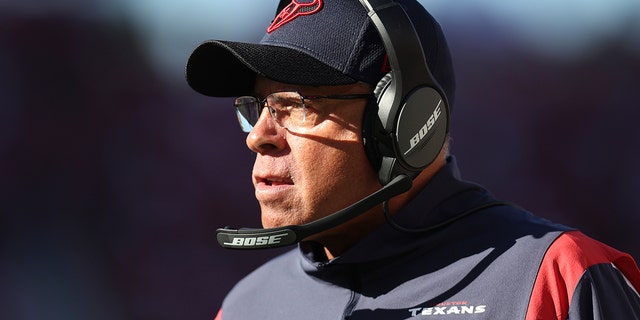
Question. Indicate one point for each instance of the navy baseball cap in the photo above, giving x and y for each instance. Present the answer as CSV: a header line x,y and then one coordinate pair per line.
x,y
314,42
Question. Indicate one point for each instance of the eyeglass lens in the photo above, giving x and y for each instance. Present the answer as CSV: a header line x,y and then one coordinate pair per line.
x,y
248,111
286,108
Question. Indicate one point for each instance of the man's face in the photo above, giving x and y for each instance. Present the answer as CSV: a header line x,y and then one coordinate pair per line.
x,y
303,174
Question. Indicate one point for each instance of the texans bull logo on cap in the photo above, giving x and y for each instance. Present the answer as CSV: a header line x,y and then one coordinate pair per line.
x,y
292,11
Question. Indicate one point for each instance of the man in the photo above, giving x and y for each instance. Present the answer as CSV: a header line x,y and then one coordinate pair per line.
x,y
310,96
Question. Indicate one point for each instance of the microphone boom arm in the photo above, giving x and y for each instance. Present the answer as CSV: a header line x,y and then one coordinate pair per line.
x,y
256,238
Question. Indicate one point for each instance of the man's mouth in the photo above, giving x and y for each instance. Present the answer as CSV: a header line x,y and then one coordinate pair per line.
x,y
274,181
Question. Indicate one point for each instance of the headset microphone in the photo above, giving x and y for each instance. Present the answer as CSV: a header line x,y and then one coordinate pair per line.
x,y
287,235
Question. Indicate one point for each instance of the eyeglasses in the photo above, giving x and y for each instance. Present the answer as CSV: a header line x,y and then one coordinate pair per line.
x,y
289,110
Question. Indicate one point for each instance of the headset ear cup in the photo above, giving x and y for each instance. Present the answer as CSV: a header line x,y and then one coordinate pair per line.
x,y
419,127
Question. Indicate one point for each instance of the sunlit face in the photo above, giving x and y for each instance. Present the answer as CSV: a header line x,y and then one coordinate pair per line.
x,y
305,174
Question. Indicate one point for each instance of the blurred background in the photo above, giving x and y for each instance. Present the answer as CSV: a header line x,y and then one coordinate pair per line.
x,y
114,175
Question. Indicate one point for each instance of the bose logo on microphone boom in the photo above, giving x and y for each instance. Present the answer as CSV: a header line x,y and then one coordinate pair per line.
x,y
417,138
255,241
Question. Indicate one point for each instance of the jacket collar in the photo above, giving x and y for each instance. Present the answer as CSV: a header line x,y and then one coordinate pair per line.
x,y
444,197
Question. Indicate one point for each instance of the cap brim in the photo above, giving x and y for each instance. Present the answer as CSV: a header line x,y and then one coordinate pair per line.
x,y
227,69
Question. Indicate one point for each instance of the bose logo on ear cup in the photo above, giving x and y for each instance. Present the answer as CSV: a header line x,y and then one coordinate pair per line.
x,y
418,137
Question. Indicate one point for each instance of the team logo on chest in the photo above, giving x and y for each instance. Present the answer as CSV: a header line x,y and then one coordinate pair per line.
x,y
448,308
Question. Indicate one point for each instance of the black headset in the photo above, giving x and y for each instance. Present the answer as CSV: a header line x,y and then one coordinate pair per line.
x,y
412,121
404,137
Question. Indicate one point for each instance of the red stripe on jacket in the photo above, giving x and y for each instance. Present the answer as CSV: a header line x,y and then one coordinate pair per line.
x,y
562,267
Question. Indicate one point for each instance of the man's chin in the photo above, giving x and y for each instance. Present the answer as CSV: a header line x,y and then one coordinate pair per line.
x,y
276,219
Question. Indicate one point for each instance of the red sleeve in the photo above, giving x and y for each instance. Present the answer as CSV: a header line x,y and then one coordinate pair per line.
x,y
219,315
562,267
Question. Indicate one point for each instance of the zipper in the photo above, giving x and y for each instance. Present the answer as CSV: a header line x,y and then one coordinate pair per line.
x,y
355,295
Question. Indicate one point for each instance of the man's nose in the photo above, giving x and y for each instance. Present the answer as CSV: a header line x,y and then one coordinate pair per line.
x,y
266,134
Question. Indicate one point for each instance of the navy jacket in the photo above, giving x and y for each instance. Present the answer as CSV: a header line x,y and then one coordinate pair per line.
x,y
491,261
